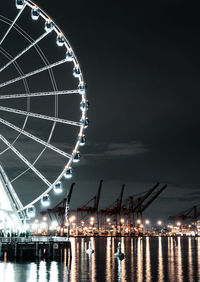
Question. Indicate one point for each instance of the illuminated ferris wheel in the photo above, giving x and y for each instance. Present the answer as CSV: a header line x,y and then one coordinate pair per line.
x,y
43,105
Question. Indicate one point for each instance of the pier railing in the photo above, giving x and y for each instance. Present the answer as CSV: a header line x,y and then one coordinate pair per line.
x,y
32,239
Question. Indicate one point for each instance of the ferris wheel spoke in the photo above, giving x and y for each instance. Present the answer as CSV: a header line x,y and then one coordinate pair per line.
x,y
39,94
19,70
25,50
23,172
17,201
33,73
33,137
13,23
40,116
46,68
37,48
25,160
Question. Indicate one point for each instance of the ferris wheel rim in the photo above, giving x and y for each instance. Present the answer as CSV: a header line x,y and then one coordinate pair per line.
x,y
83,95
46,62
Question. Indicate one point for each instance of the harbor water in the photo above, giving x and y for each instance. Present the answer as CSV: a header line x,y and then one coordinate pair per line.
x,y
145,259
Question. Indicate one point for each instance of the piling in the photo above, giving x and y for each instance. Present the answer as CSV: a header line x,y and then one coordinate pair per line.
x,y
35,248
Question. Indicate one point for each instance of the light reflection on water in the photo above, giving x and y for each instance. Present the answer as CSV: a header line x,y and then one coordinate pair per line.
x,y
190,260
109,262
179,261
160,261
198,258
171,262
139,260
146,259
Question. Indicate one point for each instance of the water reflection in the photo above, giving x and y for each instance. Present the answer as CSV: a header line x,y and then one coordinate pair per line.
x,y
108,260
160,261
7,272
121,264
65,268
92,261
198,257
171,273
146,259
139,260
53,272
179,260
41,269
83,256
118,269
190,266
73,273
132,260
32,273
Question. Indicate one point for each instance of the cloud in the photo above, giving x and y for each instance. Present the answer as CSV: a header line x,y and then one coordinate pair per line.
x,y
118,150
126,149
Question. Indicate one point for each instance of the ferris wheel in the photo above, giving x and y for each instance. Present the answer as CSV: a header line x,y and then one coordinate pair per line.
x,y
43,105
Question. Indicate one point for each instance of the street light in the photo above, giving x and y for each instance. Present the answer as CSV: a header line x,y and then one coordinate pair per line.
x,y
159,222
72,218
147,221
138,221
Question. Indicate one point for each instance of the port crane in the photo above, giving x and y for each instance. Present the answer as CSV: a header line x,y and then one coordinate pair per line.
x,y
142,208
114,210
90,208
132,205
58,212
191,214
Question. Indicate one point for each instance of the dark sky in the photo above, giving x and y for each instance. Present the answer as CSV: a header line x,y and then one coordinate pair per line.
x,y
141,65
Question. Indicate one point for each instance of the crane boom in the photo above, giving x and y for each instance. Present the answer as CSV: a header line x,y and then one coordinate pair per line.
x,y
70,193
121,197
96,203
191,213
141,200
152,199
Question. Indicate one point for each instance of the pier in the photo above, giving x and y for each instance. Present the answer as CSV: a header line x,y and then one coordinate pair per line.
x,y
35,247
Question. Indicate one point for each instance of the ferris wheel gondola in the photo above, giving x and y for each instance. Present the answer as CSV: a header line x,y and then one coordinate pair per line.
x,y
22,78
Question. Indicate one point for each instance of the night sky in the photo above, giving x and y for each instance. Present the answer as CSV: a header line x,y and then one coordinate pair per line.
x,y
141,65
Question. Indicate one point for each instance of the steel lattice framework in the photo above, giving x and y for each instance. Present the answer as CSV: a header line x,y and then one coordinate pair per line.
x,y
13,61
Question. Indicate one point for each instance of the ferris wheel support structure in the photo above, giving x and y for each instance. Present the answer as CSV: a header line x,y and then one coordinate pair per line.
x,y
61,41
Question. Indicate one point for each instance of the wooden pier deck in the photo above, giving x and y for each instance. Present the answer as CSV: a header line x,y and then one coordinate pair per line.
x,y
31,248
